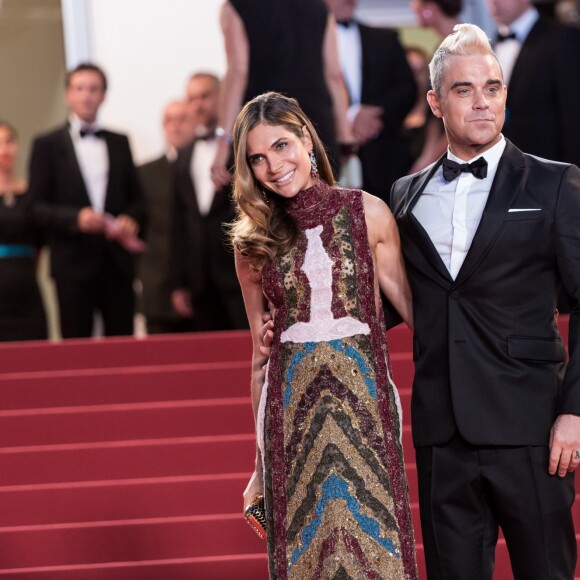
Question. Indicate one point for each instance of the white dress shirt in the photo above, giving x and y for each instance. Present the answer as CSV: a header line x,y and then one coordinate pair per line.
x,y
350,57
204,152
508,51
93,158
450,212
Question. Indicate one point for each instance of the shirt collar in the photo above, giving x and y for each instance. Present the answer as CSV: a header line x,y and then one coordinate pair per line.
x,y
521,26
76,124
492,155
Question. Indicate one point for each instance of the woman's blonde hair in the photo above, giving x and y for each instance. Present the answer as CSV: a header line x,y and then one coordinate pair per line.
x,y
262,228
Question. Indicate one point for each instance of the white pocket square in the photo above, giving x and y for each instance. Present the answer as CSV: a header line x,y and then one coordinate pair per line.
x,y
516,209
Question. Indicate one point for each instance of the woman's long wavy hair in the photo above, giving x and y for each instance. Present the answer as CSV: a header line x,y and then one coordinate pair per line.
x,y
262,228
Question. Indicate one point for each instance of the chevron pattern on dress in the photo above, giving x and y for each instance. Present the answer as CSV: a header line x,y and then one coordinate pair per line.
x,y
337,484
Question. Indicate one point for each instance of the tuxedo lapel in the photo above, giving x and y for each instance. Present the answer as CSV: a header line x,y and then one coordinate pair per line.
x,y
71,161
505,187
417,244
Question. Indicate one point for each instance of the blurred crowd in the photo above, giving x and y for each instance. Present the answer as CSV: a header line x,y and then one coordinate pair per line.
x,y
152,240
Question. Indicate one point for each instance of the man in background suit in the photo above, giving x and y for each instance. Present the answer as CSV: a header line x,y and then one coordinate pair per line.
x,y
206,286
540,60
489,234
382,91
84,191
155,265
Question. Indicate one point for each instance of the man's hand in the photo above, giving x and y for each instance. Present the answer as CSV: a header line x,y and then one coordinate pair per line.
x,y
90,222
367,124
565,445
181,301
267,337
126,226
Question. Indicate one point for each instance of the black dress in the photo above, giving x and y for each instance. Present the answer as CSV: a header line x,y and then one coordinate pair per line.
x,y
286,39
22,315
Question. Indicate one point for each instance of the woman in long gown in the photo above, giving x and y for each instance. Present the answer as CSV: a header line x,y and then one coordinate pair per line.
x,y
329,460
22,315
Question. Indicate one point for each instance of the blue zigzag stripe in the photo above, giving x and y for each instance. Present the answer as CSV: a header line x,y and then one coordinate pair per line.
x,y
336,488
349,351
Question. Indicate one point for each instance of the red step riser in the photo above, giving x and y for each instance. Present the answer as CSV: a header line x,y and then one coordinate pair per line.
x,y
138,461
140,386
127,425
122,501
245,567
124,352
131,542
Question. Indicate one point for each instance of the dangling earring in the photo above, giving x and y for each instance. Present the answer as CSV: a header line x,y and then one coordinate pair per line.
x,y
265,197
313,165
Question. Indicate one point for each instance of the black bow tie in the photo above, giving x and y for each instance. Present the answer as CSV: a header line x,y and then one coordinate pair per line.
x,y
345,23
509,36
205,137
95,132
451,169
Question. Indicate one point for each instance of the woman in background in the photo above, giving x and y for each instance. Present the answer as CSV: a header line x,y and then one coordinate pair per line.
x,y
289,47
22,315
329,460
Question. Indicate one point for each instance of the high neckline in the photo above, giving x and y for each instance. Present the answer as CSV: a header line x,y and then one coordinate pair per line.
x,y
308,198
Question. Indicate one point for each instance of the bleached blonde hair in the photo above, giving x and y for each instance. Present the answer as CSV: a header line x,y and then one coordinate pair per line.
x,y
465,40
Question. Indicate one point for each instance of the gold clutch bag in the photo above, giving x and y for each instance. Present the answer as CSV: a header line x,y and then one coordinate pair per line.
x,y
255,515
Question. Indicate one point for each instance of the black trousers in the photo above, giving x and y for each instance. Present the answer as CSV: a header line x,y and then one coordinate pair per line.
x,y
110,292
466,493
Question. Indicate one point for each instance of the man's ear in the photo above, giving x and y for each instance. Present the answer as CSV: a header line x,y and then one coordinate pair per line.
x,y
433,101
307,138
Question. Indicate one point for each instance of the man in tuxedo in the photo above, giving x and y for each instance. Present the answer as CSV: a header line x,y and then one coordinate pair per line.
x,y
206,288
382,91
539,58
154,270
489,233
84,191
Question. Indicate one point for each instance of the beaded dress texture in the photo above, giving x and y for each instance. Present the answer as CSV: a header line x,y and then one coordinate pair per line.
x,y
329,421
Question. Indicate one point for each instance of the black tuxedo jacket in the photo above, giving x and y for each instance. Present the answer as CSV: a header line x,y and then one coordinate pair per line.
x,y
387,81
202,253
58,193
543,117
489,360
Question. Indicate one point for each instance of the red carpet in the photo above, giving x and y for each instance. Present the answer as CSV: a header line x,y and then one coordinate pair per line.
x,y
126,459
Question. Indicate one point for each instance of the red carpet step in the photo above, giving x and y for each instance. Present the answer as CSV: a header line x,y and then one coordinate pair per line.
x,y
126,459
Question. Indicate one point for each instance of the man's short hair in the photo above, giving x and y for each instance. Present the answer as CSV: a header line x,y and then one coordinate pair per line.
x,y
465,40
86,66
450,8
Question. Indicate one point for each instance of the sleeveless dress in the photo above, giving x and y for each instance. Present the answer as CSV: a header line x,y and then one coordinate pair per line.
x,y
22,315
329,419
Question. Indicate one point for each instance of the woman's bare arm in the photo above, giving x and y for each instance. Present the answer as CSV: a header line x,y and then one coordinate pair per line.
x,y
384,238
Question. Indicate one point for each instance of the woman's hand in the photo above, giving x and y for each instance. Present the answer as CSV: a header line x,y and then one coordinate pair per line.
x,y
255,487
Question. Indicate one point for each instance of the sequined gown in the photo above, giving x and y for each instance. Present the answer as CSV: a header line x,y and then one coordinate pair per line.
x,y
328,422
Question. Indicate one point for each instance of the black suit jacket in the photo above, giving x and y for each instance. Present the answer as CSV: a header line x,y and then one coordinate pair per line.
x,y
543,117
202,254
387,81
489,360
58,193
154,268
